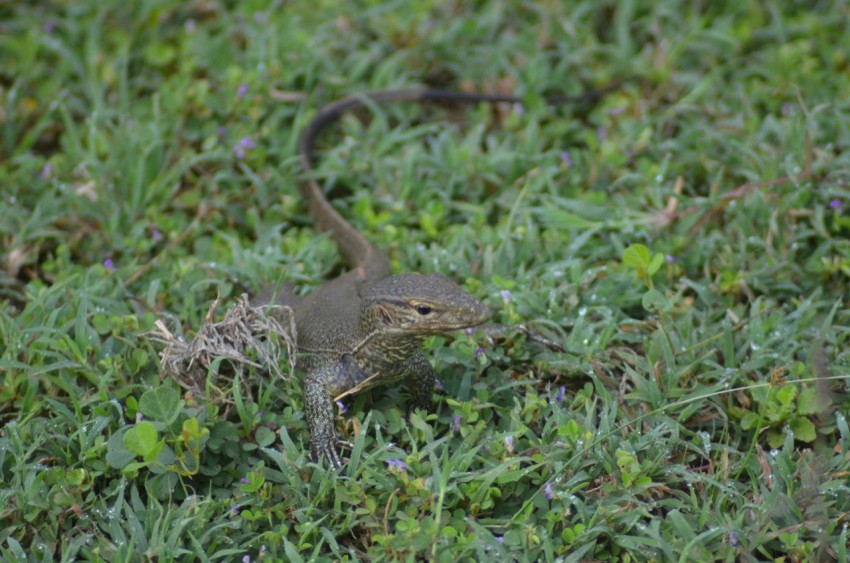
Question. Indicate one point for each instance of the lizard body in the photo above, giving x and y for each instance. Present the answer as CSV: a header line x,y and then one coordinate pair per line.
x,y
365,328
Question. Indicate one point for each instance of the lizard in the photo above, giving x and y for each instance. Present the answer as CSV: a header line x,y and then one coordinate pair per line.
x,y
365,328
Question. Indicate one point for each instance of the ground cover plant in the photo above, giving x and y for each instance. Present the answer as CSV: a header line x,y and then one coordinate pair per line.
x,y
684,240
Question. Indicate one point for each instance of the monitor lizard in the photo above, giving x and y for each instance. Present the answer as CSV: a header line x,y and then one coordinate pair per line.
x,y
366,327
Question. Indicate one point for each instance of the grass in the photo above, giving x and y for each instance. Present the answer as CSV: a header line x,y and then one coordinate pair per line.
x,y
685,240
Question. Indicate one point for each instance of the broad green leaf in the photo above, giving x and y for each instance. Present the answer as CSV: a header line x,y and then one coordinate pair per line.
x,y
142,439
101,323
154,452
637,256
162,486
190,430
75,477
775,438
164,455
750,421
161,404
117,455
132,469
255,482
571,429
654,300
803,429
787,394
655,264
810,402
264,436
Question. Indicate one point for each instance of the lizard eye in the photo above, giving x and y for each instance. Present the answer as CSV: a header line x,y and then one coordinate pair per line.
x,y
423,310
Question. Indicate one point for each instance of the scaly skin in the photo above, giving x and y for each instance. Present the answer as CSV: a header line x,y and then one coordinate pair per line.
x,y
365,328
374,339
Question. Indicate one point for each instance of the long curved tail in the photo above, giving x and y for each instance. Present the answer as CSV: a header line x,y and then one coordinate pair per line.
x,y
358,252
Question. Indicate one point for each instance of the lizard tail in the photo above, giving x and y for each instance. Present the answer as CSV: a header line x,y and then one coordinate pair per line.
x,y
358,252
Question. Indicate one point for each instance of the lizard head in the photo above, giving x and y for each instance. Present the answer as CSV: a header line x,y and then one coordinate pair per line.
x,y
421,304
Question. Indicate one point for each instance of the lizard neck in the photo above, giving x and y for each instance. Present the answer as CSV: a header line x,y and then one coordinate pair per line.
x,y
378,349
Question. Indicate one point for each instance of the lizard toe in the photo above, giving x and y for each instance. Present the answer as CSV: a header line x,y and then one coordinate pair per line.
x,y
340,443
332,455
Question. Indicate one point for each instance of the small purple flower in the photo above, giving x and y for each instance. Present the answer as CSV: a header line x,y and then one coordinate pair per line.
x,y
469,331
109,265
342,408
245,144
479,352
190,25
500,539
566,160
244,480
234,510
787,108
561,391
246,559
509,443
156,235
222,131
396,464
139,417
48,26
670,258
835,204
616,111
439,385
263,550
733,539
242,90
46,172
456,423
506,296
261,414
602,133
518,109
547,491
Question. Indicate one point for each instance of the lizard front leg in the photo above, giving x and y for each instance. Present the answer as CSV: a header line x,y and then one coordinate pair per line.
x,y
318,410
420,377
321,385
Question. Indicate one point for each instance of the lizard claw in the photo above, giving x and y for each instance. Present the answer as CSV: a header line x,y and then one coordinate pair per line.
x,y
340,443
329,450
332,451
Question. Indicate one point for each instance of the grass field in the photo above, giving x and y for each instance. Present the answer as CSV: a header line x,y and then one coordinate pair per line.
x,y
684,239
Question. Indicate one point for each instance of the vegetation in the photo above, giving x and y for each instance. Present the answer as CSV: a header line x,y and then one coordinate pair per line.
x,y
684,239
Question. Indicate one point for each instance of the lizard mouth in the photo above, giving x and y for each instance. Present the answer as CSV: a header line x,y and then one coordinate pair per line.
x,y
475,316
